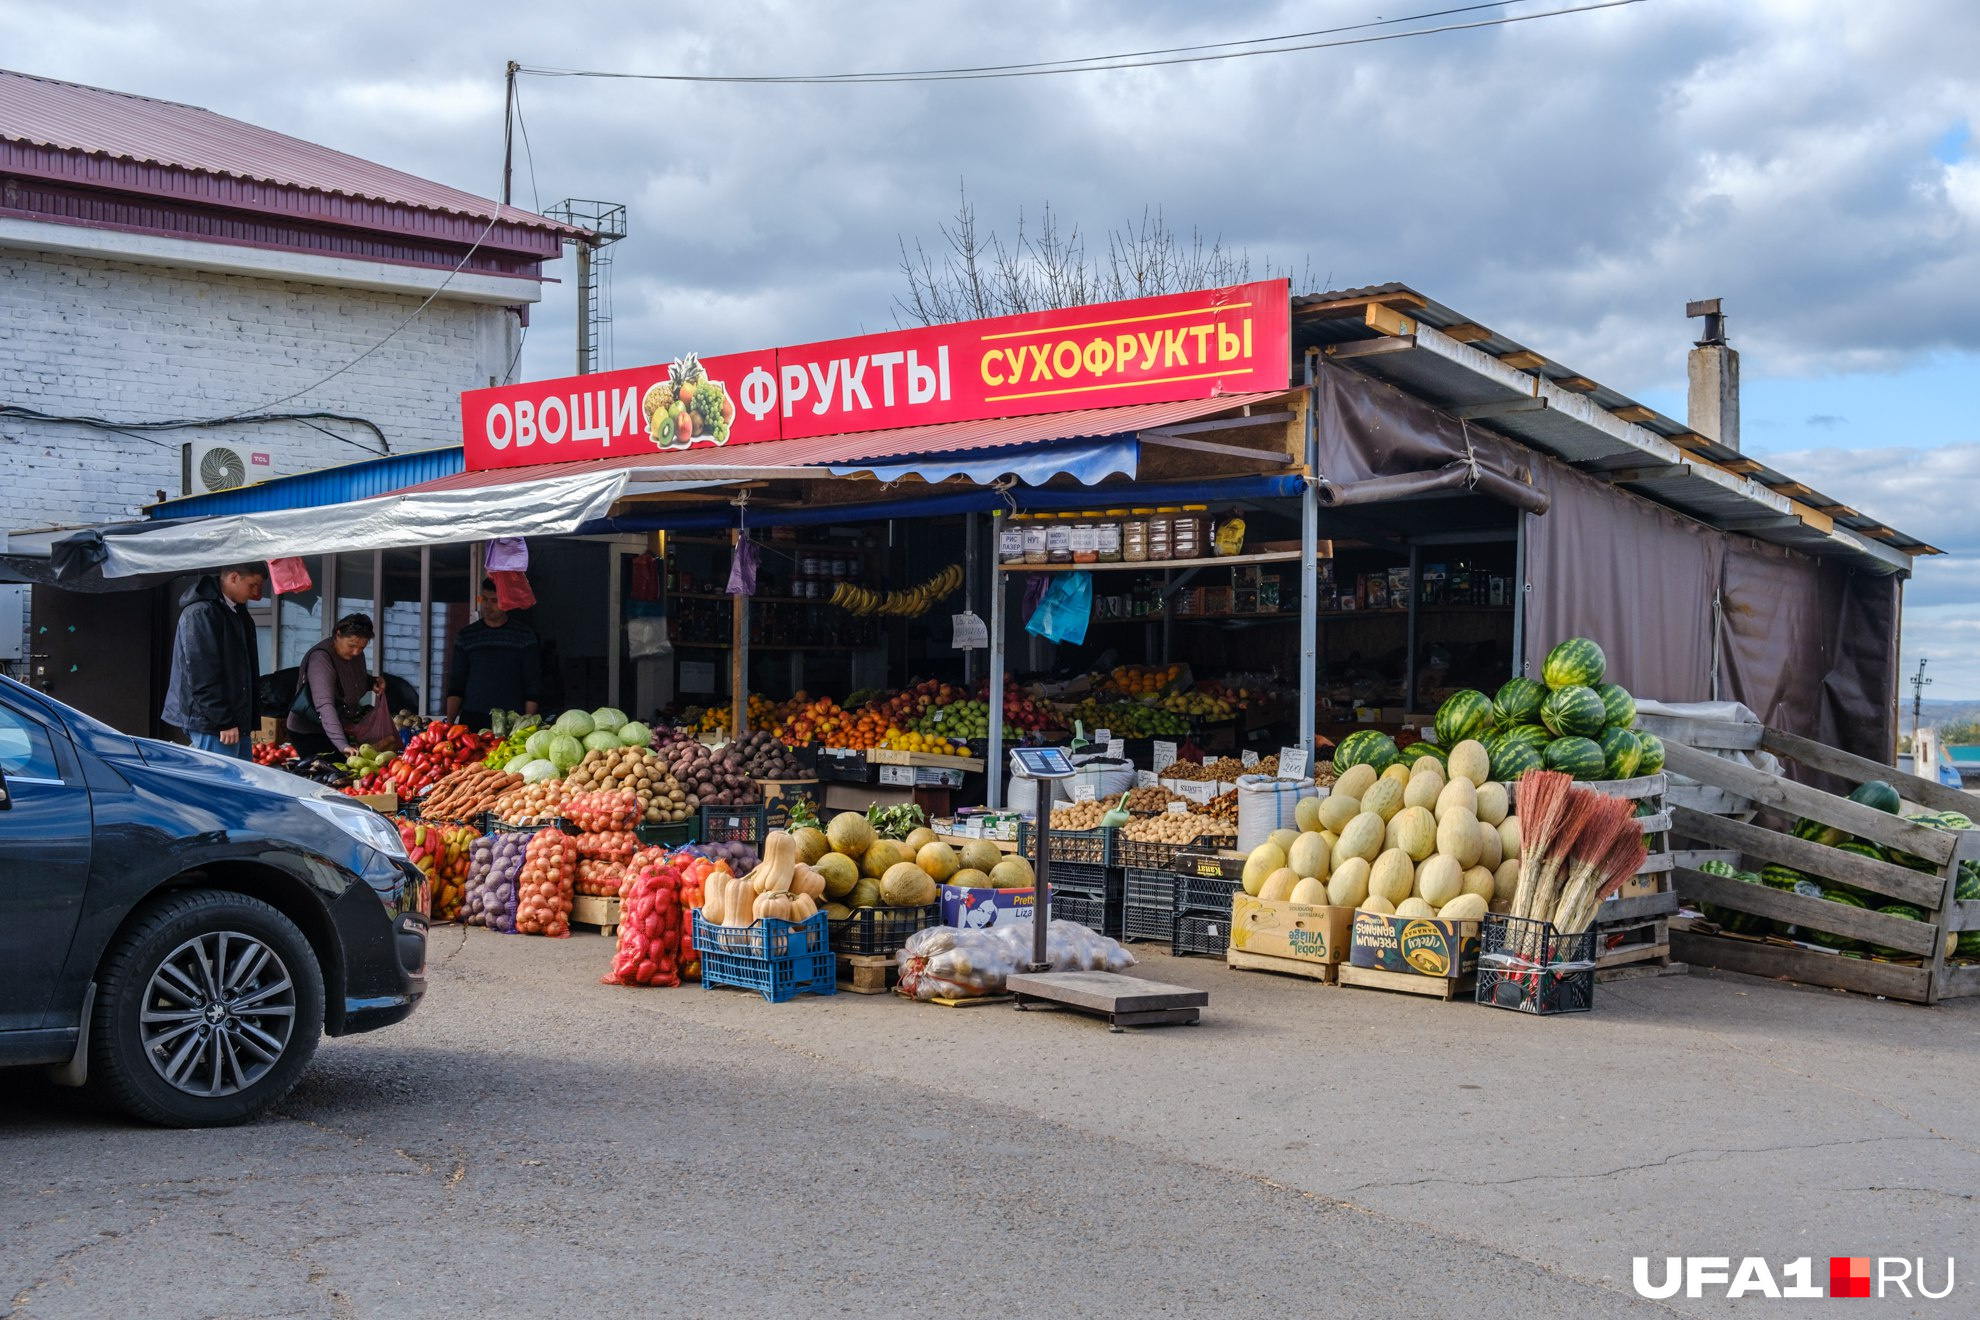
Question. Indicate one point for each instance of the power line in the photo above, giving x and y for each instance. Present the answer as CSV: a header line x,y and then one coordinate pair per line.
x,y
529,154
1095,64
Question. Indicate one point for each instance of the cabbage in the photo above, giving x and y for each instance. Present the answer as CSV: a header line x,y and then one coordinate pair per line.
x,y
635,734
565,752
608,718
537,771
601,740
538,743
518,764
574,722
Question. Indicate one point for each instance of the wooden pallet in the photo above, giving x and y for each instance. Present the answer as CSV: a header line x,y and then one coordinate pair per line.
x,y
1265,962
1436,987
590,910
868,973
1646,941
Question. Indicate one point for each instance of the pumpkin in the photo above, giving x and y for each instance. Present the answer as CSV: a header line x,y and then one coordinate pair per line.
x,y
804,880
782,906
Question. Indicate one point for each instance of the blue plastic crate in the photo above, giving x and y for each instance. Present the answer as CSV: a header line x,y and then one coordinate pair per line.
x,y
778,959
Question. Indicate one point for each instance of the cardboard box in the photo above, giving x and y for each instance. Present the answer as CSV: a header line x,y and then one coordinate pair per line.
x,y
1416,946
975,909
271,731
1305,931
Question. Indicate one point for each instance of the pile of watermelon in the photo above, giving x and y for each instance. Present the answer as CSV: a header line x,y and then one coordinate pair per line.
x,y
1572,722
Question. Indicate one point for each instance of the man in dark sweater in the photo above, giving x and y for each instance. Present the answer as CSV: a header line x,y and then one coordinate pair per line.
x,y
496,665
215,662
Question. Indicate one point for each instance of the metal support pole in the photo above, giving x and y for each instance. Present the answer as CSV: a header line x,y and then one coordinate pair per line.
x,y
1409,661
1041,898
615,624
970,529
993,765
428,705
1309,568
738,652
1520,589
584,307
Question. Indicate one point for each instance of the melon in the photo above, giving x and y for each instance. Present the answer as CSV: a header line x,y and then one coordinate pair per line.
x,y
1356,781
1457,837
836,912
1439,880
1479,880
919,838
1415,907
1458,795
1518,701
1306,815
1491,848
907,885
1392,876
1348,885
938,859
841,874
1279,886
1577,661
1465,715
1398,774
1494,803
1332,839
1505,882
1465,907
1310,892
1362,838
971,878
864,894
850,833
1414,830
1369,747
1012,873
980,855
1385,799
811,844
881,854
1337,810
1284,838
1265,859
1309,856
1423,791
1376,903
1470,760
1509,838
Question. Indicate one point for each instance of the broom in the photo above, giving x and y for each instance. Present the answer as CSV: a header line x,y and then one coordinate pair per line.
x,y
1543,800
1599,869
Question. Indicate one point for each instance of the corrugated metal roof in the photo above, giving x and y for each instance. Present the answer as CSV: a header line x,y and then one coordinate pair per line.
x,y
312,490
122,126
901,443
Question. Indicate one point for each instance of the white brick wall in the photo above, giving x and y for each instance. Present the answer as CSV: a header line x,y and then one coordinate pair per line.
x,y
135,342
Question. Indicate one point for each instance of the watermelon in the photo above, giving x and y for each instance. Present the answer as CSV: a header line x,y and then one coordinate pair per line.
x,y
1416,751
1513,757
1816,832
1862,849
1652,747
1535,736
1464,714
1968,946
1365,747
1518,701
1876,793
1621,707
1579,757
1577,662
1620,752
1967,888
1828,939
1781,877
1573,712
1906,911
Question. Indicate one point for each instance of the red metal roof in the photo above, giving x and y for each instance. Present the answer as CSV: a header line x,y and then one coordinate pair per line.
x,y
120,126
875,446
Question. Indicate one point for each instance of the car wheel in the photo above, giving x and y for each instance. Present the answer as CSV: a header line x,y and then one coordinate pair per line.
x,y
207,1011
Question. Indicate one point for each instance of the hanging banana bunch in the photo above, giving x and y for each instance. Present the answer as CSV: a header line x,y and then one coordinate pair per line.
x,y
908,604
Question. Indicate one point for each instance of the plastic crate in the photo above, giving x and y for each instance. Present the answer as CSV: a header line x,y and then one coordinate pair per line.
x,y
777,959
1148,923
1202,933
844,766
1086,879
882,930
1094,913
1091,847
671,835
732,825
1154,890
1530,967
1155,856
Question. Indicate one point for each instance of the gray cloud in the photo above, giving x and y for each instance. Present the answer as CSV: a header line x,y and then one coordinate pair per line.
x,y
1826,421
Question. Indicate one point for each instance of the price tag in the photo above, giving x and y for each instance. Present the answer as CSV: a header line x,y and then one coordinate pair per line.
x,y
1199,791
1103,735
1249,758
1144,778
971,633
1179,808
1165,756
1117,748
1083,792
1292,763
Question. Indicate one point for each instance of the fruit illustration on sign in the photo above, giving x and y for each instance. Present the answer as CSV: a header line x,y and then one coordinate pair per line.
x,y
688,407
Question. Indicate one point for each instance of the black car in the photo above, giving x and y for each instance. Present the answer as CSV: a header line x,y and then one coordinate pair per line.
x,y
178,928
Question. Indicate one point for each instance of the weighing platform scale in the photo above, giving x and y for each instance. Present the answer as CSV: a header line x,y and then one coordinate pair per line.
x,y
1125,1001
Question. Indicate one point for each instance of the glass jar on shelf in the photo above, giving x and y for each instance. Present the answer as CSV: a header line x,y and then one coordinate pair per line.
x,y
1010,540
1134,536
1108,530
1037,540
1058,539
1189,533
1085,539
1161,533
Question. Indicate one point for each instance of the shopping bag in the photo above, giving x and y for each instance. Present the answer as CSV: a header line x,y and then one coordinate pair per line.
x,y
742,572
287,575
646,577
509,554
1063,614
512,590
376,728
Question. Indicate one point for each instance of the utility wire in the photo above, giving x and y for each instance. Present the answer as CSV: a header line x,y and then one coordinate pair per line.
x,y
529,154
1095,64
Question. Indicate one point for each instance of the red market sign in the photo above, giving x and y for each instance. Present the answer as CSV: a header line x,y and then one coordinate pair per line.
x,y
1148,350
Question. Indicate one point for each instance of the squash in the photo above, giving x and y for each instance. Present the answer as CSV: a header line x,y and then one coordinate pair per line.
x,y
714,898
774,874
778,905
804,880
803,907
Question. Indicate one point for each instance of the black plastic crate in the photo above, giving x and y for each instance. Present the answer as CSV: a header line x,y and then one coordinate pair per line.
x,y
1154,890
882,930
1086,879
1156,856
732,825
1148,923
1096,914
1530,967
1202,932
1196,893
844,766
1088,847
670,835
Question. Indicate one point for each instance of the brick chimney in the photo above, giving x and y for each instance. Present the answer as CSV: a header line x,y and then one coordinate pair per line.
x,y
1712,372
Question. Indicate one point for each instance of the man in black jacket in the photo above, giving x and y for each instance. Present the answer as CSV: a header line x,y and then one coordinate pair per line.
x,y
497,665
215,660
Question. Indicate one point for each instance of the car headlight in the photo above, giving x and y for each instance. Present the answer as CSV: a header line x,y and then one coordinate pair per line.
x,y
361,823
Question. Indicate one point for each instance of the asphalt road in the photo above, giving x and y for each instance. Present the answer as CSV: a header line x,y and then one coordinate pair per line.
x,y
533,1143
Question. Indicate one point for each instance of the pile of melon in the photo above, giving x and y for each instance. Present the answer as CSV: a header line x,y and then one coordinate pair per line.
x,y
861,869
1424,838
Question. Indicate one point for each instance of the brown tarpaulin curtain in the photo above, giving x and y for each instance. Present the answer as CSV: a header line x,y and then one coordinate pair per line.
x,y
1369,428
1637,579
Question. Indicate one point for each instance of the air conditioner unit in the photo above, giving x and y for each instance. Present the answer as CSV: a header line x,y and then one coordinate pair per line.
x,y
215,465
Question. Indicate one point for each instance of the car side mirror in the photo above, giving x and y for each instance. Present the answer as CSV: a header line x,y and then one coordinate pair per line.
x,y
6,802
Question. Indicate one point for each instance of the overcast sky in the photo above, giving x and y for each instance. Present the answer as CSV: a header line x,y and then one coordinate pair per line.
x,y
1570,181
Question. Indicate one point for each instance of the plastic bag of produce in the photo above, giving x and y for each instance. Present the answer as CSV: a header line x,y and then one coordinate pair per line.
x,y
948,962
547,882
650,945
1266,803
495,865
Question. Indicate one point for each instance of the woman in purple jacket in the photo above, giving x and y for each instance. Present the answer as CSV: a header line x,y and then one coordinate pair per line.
x,y
334,675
